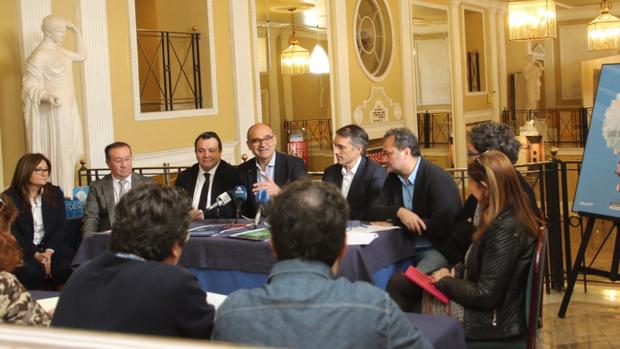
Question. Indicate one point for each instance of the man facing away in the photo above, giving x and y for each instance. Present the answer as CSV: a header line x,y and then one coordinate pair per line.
x,y
137,287
360,179
268,170
418,195
104,193
209,178
302,305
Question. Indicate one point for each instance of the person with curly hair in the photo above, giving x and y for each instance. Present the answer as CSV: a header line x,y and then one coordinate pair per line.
x,y
16,304
488,295
481,139
137,286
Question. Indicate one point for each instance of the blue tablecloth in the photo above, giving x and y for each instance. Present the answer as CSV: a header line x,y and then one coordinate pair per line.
x,y
223,264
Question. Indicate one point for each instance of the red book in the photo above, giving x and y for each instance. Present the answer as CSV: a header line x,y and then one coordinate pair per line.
x,y
426,282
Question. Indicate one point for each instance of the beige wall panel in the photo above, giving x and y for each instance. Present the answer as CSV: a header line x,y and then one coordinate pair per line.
x,y
359,82
11,114
158,135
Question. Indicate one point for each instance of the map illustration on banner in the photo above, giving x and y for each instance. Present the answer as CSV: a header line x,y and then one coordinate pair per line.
x,y
598,189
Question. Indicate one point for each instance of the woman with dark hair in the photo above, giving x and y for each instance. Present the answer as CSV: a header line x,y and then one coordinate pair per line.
x,y
41,225
489,298
16,304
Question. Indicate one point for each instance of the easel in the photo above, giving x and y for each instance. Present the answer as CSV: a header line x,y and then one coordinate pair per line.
x,y
577,266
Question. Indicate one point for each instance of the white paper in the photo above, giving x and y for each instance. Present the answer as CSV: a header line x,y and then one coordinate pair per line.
x,y
360,238
48,303
215,299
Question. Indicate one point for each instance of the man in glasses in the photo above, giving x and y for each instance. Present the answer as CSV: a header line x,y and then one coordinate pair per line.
x,y
268,170
418,195
104,193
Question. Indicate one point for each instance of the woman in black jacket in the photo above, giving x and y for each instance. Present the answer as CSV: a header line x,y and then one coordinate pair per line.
x,y
489,299
41,225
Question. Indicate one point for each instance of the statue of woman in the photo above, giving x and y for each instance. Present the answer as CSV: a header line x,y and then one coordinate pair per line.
x,y
532,72
53,123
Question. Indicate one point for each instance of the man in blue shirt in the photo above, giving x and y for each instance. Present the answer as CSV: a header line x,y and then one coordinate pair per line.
x,y
418,195
302,305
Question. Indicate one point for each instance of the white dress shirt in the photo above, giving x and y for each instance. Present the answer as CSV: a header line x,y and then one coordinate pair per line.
x,y
37,219
116,184
200,181
347,177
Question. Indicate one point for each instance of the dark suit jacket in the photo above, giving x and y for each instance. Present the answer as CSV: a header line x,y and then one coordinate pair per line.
x,y
436,200
32,274
288,168
118,294
455,246
100,203
54,221
365,187
226,178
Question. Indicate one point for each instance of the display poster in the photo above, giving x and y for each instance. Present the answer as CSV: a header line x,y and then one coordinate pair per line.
x,y
598,189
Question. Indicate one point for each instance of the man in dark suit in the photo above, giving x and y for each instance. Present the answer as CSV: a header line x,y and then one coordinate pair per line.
x,y
418,195
268,170
104,193
209,178
360,179
137,286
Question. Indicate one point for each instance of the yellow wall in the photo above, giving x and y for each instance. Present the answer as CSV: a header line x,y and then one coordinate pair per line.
x,y
11,115
159,135
360,84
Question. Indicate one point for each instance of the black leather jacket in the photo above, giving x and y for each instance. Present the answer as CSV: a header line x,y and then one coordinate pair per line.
x,y
493,290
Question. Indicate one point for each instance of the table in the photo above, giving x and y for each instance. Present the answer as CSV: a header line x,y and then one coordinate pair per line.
x,y
223,264
441,331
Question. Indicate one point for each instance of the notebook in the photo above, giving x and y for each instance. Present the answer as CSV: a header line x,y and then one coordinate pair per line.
x,y
260,234
426,283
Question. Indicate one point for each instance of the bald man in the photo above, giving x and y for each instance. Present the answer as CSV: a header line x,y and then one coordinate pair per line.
x,y
268,170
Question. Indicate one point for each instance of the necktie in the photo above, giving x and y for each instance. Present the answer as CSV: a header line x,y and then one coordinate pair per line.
x,y
202,202
123,184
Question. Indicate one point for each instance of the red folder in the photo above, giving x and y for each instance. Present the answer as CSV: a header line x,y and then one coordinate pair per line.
x,y
426,282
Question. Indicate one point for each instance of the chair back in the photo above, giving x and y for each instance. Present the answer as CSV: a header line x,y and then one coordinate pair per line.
x,y
533,300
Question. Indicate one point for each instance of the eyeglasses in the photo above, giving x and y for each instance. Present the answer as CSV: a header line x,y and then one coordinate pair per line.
x,y
40,171
2,205
471,154
258,141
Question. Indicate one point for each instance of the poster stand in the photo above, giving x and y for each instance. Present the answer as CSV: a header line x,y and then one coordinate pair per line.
x,y
578,266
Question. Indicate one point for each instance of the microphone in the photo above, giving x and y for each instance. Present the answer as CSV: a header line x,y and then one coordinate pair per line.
x,y
220,201
240,194
261,199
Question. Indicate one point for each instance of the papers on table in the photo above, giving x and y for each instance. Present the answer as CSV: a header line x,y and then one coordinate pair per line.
x,y
215,299
365,234
48,303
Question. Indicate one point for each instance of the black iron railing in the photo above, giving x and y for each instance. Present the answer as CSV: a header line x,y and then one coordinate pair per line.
x,y
561,127
316,132
434,129
170,76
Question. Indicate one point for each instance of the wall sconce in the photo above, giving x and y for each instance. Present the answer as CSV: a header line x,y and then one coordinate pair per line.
x,y
604,30
531,20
